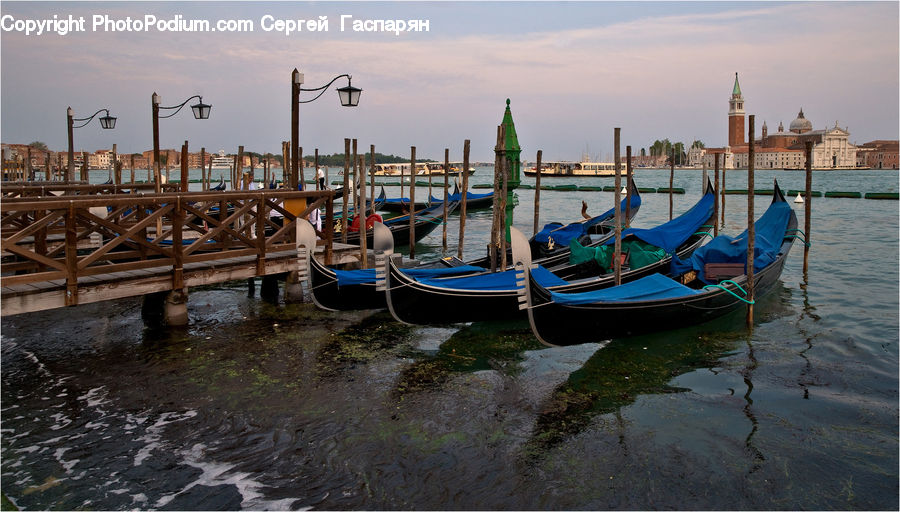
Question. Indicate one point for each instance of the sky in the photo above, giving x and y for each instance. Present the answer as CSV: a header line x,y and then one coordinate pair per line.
x,y
573,71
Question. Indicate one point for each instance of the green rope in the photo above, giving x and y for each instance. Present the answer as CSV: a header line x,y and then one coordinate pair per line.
x,y
798,237
729,291
704,233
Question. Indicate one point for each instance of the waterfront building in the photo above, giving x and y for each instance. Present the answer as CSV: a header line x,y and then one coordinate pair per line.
x,y
879,154
782,149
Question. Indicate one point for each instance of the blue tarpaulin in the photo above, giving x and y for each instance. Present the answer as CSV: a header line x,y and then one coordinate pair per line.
x,y
673,233
494,281
367,276
562,235
770,230
652,287
458,197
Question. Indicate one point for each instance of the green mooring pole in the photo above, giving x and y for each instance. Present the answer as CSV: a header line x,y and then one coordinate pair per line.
x,y
513,156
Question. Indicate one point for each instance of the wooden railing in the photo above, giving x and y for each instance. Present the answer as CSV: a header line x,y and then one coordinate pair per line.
x,y
72,238
58,188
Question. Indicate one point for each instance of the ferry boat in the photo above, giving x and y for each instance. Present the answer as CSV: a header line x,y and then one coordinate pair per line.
x,y
222,161
575,169
422,169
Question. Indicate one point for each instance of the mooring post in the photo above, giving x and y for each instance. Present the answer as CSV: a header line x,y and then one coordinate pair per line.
x,y
807,208
356,183
751,231
412,202
184,167
117,175
202,169
371,178
316,170
504,169
537,192
345,207
671,181
617,260
363,232
446,185
722,194
628,171
716,197
465,190
495,210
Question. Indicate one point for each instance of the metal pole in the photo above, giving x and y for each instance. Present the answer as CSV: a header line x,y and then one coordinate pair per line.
x,y
296,82
157,176
70,173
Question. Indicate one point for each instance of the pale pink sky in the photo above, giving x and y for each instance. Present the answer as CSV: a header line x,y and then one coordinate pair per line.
x,y
573,72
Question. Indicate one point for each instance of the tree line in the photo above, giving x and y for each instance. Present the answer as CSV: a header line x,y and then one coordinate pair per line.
x,y
665,147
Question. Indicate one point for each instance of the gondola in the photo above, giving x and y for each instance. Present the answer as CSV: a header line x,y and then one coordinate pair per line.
x,y
221,186
342,290
494,296
426,221
709,284
378,203
473,201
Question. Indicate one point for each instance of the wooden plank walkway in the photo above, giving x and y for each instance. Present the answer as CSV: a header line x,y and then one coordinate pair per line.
x,y
74,250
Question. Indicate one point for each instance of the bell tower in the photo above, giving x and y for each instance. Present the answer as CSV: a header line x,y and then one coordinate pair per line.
x,y
736,115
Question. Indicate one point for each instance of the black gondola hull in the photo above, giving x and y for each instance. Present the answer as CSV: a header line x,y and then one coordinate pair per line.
x,y
328,295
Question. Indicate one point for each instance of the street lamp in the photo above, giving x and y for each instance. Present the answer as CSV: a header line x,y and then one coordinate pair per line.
x,y
107,122
200,110
348,95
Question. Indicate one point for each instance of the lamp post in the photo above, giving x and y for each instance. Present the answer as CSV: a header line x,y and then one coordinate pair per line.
x,y
348,95
200,110
107,122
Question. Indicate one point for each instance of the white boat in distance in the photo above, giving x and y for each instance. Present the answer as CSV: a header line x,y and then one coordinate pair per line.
x,y
222,161
422,169
575,169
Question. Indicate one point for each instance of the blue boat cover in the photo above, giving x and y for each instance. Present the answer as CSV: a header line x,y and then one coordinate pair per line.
x,y
770,230
672,234
494,281
652,287
458,197
562,235
367,275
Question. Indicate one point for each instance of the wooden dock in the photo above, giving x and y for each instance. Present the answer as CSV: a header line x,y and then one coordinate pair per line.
x,y
78,248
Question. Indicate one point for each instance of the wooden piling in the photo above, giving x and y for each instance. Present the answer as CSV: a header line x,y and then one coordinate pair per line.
x,y
356,184
465,189
84,168
671,181
807,208
371,178
751,231
716,197
239,168
184,167
628,171
495,207
363,243
117,175
537,192
446,185
202,169
412,202
722,194
617,260
316,172
346,197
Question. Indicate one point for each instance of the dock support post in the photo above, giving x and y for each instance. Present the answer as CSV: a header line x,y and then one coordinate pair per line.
x,y
269,289
293,287
165,309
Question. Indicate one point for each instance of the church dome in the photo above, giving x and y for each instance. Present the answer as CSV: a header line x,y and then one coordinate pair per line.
x,y
801,124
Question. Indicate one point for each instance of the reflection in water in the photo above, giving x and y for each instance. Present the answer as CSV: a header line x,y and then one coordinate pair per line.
x,y
479,346
629,367
747,372
620,372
